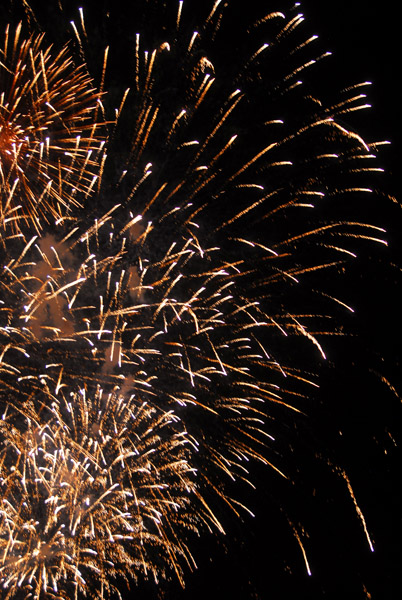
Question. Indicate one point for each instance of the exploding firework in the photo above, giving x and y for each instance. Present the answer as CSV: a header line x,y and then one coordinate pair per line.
x,y
147,341
48,132
105,483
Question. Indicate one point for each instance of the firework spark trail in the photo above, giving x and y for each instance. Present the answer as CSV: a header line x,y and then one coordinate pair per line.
x,y
358,509
174,300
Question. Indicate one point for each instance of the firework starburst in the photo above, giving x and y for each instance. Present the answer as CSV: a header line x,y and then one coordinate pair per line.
x,y
148,342
48,131
101,489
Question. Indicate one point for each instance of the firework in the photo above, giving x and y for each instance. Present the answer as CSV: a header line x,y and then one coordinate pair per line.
x,y
88,494
162,320
49,136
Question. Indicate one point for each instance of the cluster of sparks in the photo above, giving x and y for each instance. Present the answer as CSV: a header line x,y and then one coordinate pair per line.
x,y
139,338
89,479
48,131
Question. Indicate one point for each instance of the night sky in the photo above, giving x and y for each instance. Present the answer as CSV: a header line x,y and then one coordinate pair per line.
x,y
353,421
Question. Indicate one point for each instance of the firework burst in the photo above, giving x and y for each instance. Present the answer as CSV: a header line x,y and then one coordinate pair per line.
x,y
145,341
104,483
48,132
